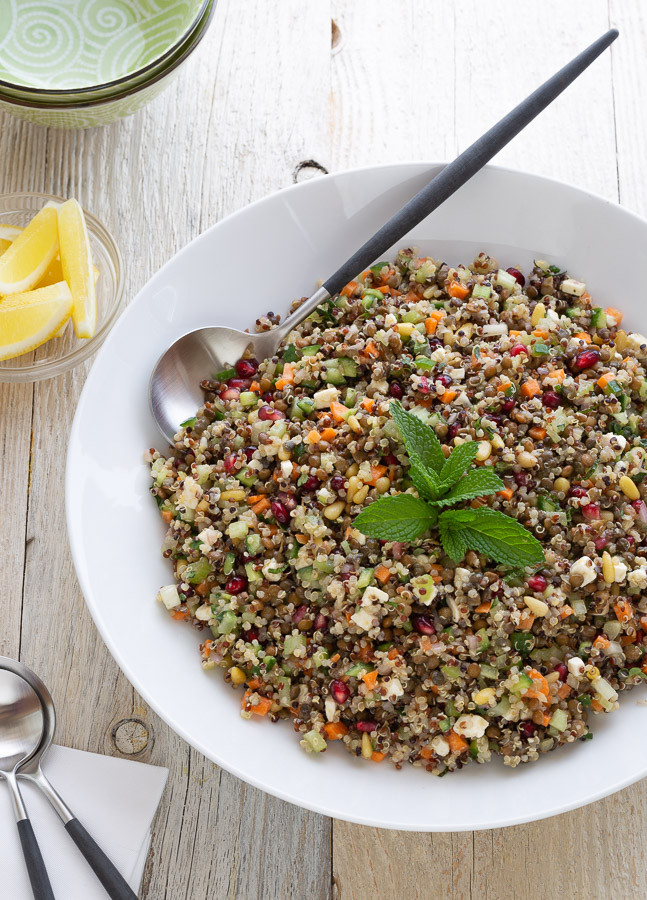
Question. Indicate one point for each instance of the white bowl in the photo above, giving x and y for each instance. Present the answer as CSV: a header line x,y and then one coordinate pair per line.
x,y
284,244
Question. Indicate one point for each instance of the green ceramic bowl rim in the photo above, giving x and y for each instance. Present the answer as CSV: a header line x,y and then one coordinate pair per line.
x,y
53,93
197,35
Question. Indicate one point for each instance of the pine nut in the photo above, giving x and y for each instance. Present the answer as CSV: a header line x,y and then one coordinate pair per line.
x,y
352,470
483,697
360,495
382,484
353,424
562,484
233,495
367,745
335,510
628,488
237,675
608,569
283,454
405,329
484,451
354,484
536,606
527,460
538,313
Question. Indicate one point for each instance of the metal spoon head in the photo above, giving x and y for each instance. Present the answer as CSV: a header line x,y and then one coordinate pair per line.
x,y
21,720
174,390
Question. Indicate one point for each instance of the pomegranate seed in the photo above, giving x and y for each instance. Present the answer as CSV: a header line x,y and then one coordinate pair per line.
x,y
241,384
391,460
246,368
517,349
527,729
299,613
585,359
268,396
288,500
339,691
268,414
551,400
496,588
591,512
229,394
562,671
230,462
434,344
494,418
310,484
422,624
521,478
395,390
454,429
601,542
445,380
279,512
516,274
249,452
423,385
236,584
537,583
638,505
366,726
252,634
320,622
508,405
578,491
337,483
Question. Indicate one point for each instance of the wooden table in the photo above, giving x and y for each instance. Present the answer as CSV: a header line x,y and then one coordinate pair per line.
x,y
267,99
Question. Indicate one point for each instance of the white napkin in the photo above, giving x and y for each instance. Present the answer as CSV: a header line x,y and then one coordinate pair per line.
x,y
114,799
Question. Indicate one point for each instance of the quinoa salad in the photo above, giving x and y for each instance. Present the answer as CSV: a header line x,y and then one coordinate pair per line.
x,y
421,651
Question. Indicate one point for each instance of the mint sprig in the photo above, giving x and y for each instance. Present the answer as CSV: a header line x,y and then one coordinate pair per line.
x,y
443,482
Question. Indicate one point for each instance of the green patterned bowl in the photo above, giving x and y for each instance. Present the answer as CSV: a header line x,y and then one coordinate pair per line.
x,y
63,48
82,109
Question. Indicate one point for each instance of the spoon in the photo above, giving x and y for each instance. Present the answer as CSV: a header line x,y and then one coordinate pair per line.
x,y
21,728
174,389
29,769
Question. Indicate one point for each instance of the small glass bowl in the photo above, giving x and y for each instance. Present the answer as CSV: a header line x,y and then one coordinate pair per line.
x,y
60,354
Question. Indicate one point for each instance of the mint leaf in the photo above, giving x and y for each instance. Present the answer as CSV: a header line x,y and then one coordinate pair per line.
x,y
496,535
452,539
400,518
477,483
418,438
458,462
425,480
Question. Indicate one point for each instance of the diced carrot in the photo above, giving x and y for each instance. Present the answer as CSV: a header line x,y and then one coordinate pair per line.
x,y
328,434
180,614
254,498
583,336
564,691
484,607
376,473
254,683
540,333
338,411
643,622
335,658
393,653
613,313
596,705
507,494
431,322
335,730
261,506
515,333
376,756
254,386
627,639
537,433
537,676
365,275
370,679
603,381
559,374
526,621
566,611
203,589
349,289
425,643
287,377
547,719
372,349
643,668
504,386
601,642
585,298
259,709
456,289
534,694
382,574
457,743
623,611
368,403
426,753
167,515
205,649
313,437
448,396
530,388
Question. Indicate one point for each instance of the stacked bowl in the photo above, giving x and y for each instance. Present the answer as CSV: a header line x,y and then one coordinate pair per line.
x,y
80,63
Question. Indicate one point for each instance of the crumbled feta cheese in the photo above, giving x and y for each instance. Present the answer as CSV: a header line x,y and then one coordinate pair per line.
x,y
330,707
373,596
325,397
584,567
389,320
619,569
190,494
286,468
169,596
272,570
393,689
638,578
573,287
470,726
637,342
576,666
208,538
440,746
203,613
363,619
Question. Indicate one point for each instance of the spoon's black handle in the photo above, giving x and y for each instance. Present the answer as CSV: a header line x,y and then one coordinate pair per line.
x,y
38,876
114,883
454,175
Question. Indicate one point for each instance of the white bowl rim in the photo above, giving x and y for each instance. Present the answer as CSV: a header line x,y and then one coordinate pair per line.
x,y
284,794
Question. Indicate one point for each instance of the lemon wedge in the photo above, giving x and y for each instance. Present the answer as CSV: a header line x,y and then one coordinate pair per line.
x,y
24,263
29,319
55,273
76,260
8,234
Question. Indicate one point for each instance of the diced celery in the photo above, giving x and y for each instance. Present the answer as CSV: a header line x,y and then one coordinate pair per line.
x,y
559,720
248,398
612,629
227,622
524,684
489,671
284,685
306,405
505,280
228,565
293,642
253,543
316,742
237,530
306,573
481,292
579,606
252,574
279,429
450,708
365,578
196,572
451,672
348,366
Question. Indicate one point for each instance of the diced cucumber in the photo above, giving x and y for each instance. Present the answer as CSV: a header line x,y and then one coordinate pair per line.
x,y
246,476
252,574
196,572
315,741
598,318
306,573
228,565
334,374
559,720
481,291
324,566
524,684
348,366
227,622
237,530
312,350
293,642
444,725
248,398
253,543
522,641
365,578
505,280
546,504
306,405
284,685
320,656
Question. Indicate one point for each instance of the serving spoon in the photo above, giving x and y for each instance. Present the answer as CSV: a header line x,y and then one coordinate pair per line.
x,y
174,388
43,724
